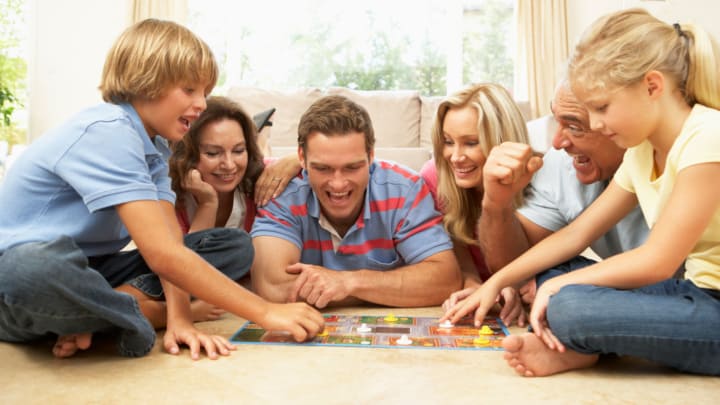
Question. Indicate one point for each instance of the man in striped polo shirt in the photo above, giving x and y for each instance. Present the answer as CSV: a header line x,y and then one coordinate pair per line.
x,y
348,228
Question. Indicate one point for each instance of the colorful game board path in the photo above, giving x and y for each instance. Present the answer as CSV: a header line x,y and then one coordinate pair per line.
x,y
389,331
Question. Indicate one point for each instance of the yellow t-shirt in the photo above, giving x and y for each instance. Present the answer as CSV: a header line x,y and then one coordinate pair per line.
x,y
698,142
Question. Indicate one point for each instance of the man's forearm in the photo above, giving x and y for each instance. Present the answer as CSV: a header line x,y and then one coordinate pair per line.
x,y
426,283
501,236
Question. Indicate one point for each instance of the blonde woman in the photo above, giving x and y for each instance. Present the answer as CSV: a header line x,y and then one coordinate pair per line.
x,y
468,125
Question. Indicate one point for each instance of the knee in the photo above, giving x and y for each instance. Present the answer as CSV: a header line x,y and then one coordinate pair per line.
x,y
569,309
230,250
28,266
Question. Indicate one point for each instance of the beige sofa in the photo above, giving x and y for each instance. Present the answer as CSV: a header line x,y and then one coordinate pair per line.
x,y
402,119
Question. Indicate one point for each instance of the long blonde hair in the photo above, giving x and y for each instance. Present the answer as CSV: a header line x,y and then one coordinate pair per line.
x,y
620,48
499,120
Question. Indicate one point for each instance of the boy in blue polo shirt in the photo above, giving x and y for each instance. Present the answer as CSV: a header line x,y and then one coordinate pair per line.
x,y
78,194
350,228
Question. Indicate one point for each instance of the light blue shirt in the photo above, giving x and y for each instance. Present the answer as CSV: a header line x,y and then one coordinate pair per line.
x,y
69,180
557,197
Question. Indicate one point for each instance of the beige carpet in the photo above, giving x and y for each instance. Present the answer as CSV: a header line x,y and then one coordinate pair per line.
x,y
256,374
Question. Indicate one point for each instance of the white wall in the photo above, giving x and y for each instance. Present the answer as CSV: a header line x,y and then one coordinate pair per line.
x,y
69,40
72,37
581,13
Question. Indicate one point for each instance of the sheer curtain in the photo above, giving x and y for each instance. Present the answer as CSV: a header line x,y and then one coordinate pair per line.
x,y
542,49
175,10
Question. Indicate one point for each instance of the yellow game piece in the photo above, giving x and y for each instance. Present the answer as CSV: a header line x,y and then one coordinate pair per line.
x,y
323,333
481,341
390,318
486,330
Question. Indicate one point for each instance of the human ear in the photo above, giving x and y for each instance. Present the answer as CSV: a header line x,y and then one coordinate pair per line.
x,y
654,82
301,157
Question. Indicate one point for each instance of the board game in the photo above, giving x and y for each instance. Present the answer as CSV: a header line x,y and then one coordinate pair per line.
x,y
387,331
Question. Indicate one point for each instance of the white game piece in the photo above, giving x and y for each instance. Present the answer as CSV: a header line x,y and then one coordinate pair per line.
x,y
446,324
404,340
363,328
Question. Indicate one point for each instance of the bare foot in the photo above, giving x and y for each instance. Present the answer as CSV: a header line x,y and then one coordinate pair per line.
x,y
204,311
529,356
68,345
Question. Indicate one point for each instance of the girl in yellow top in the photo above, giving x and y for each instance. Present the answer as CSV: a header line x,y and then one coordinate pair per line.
x,y
651,87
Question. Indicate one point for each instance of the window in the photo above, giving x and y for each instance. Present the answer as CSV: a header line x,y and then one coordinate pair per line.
x,y
433,46
13,71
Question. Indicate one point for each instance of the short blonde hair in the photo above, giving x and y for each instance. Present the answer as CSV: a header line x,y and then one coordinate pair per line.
x,y
151,56
499,120
618,50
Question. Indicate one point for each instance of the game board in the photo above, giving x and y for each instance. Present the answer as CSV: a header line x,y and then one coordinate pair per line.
x,y
387,331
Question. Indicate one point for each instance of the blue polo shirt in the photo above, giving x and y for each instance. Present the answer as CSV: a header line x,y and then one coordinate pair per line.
x,y
68,181
398,225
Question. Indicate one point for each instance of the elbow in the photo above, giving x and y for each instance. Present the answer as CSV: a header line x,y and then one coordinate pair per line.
x,y
266,289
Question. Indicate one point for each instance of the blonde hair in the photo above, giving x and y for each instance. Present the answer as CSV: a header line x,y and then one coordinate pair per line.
x,y
499,120
620,48
151,56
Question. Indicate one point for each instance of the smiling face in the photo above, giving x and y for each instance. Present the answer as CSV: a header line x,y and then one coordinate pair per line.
x,y
223,156
338,172
171,114
462,147
595,157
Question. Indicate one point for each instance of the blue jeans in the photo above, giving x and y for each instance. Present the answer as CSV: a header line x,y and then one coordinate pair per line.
x,y
53,288
673,322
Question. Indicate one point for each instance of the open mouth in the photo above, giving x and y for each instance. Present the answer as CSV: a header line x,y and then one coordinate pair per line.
x,y
185,122
338,197
581,160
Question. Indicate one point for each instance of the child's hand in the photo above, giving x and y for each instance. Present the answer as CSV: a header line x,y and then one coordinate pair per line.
x,y
481,301
301,320
202,191
456,297
187,334
538,318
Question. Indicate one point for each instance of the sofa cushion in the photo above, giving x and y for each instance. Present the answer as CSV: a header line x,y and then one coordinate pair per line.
x,y
395,114
289,105
428,111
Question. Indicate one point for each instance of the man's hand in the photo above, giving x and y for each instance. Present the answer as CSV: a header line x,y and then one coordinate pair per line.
x,y
507,170
317,285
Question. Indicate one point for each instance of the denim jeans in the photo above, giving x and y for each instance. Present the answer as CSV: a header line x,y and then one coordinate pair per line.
x,y
53,288
673,322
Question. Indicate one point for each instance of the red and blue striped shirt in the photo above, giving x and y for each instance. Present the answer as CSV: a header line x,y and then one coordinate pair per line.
x,y
399,224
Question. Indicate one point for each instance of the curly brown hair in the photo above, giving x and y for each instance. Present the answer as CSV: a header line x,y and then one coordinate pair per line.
x,y
186,153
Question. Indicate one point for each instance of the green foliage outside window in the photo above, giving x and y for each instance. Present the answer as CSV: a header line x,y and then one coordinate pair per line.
x,y
13,70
